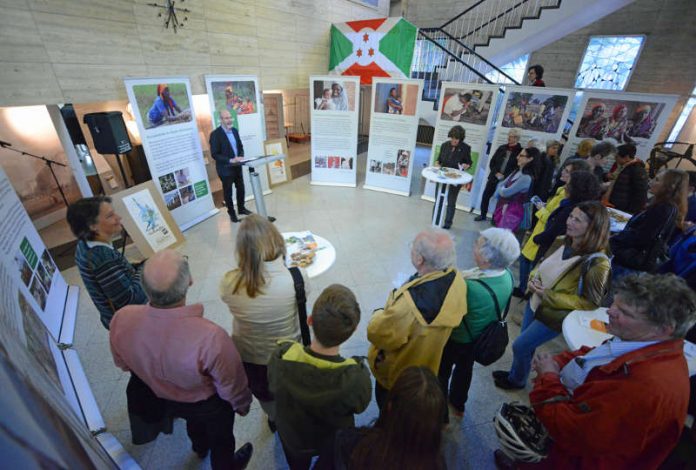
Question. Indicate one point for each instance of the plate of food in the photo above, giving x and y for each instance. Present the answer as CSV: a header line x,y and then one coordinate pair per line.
x,y
301,249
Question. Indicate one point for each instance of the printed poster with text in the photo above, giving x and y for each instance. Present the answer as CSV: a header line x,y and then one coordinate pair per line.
x,y
240,96
334,114
537,112
28,263
167,125
393,129
471,106
625,118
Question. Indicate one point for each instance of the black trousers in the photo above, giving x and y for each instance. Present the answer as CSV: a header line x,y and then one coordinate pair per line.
x,y
488,193
210,426
227,182
451,201
459,356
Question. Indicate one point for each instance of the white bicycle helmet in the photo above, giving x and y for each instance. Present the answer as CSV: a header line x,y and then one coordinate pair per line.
x,y
522,436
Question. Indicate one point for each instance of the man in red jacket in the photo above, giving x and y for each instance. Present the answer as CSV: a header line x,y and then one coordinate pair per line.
x,y
623,404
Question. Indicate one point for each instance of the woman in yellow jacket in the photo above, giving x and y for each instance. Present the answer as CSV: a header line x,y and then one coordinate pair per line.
x,y
574,277
530,249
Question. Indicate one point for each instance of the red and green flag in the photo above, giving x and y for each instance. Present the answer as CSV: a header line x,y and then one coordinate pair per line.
x,y
372,48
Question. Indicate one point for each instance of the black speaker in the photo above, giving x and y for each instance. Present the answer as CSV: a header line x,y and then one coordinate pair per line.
x,y
72,124
108,132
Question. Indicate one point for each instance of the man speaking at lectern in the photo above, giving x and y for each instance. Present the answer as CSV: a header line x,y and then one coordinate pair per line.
x,y
227,150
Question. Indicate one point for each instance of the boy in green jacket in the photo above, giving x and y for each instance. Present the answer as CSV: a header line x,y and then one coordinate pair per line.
x,y
316,390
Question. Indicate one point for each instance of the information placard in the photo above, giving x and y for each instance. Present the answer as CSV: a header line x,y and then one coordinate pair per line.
x,y
240,95
393,129
334,118
167,125
471,106
623,117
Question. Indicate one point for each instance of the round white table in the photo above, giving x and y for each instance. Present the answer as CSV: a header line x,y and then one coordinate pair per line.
x,y
437,176
577,333
325,254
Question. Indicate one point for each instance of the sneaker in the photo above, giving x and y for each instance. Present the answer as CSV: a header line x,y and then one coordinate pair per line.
x,y
245,211
480,218
500,374
243,455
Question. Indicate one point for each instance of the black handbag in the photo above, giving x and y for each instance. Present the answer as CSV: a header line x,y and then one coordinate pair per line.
x,y
301,298
648,258
491,343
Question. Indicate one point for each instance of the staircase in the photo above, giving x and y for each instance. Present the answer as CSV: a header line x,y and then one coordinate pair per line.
x,y
491,33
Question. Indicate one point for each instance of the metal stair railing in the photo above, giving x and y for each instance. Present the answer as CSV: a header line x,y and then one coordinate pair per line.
x,y
487,19
432,58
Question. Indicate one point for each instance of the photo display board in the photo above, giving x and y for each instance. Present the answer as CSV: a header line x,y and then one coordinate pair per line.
x,y
240,95
334,117
624,117
167,124
471,106
537,112
393,130
29,263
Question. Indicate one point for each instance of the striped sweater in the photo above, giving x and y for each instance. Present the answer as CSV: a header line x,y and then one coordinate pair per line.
x,y
111,281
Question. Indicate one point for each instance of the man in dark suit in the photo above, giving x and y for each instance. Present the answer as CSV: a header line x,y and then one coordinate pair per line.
x,y
503,163
227,150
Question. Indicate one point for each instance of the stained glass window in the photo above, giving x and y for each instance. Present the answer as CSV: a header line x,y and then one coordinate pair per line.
x,y
608,62
688,107
516,69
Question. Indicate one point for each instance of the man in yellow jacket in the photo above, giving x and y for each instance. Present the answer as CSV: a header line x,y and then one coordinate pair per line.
x,y
415,324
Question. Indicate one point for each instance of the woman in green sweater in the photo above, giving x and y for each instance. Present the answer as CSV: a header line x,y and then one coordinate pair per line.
x,y
494,251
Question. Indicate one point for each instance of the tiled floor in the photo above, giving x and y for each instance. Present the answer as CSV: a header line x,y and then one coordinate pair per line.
x,y
370,231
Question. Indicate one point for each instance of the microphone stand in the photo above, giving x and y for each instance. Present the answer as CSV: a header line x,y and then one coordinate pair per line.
x,y
48,163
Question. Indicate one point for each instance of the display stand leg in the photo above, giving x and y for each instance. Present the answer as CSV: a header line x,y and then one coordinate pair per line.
x,y
440,201
258,194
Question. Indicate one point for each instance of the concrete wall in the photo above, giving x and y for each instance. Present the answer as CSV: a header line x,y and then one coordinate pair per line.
x,y
667,63
56,51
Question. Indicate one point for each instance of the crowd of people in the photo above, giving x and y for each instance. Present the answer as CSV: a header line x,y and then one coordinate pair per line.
x,y
620,405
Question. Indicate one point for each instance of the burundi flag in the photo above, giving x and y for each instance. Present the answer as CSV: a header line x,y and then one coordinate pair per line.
x,y
372,48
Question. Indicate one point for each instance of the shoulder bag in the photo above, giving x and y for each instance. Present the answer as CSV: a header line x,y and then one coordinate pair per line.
x,y
301,298
491,343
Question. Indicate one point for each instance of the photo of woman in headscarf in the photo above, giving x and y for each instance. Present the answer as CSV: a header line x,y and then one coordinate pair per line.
x,y
643,123
594,124
618,124
339,98
164,109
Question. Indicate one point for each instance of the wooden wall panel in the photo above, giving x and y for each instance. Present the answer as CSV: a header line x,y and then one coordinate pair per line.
x,y
56,51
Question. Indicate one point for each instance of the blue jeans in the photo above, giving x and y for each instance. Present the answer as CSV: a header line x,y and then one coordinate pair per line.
x,y
525,268
534,334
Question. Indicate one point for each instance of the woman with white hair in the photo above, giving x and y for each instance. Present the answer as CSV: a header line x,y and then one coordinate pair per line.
x,y
489,287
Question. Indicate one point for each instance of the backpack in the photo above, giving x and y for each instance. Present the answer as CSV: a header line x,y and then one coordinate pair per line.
x,y
493,340
586,265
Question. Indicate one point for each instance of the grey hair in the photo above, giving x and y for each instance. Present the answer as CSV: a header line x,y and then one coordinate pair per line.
x,y
515,133
500,247
175,293
552,143
665,299
604,149
435,256
533,142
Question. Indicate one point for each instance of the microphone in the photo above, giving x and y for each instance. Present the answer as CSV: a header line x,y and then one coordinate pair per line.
x,y
5,144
